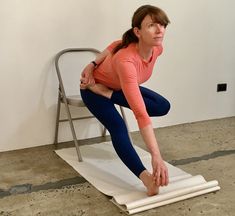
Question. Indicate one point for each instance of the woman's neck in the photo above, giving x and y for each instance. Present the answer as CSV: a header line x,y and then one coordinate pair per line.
x,y
144,51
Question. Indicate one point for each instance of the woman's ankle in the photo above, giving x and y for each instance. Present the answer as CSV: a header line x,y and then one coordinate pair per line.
x,y
147,178
101,90
144,175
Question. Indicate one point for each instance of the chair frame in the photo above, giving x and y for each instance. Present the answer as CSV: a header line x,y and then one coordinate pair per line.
x,y
62,98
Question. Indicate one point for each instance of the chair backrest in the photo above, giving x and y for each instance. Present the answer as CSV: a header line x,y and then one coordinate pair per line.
x,y
69,64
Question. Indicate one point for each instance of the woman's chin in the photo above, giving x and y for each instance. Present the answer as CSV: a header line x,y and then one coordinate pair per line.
x,y
159,43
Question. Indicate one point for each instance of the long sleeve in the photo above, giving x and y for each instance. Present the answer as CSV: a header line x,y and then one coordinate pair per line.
x,y
127,74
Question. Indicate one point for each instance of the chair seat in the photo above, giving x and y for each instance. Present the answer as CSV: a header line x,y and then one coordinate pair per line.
x,y
75,100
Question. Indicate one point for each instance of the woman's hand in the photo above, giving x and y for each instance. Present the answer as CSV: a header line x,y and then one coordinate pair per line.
x,y
160,171
87,79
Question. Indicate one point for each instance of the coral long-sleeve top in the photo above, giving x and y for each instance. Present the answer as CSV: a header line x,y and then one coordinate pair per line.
x,y
126,70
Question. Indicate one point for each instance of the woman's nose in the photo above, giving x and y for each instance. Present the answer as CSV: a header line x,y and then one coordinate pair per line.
x,y
159,28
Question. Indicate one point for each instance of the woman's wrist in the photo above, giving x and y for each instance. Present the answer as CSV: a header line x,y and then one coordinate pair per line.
x,y
94,64
91,65
90,68
156,154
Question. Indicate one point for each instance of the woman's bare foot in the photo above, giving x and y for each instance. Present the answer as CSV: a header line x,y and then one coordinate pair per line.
x,y
101,90
149,183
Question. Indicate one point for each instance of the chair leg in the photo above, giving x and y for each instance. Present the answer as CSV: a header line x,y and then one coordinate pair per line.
x,y
57,121
73,130
125,120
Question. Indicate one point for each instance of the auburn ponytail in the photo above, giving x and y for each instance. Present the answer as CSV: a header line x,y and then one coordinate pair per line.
x,y
127,38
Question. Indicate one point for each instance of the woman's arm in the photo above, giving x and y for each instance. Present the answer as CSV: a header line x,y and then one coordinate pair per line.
x,y
87,78
101,56
160,171
130,87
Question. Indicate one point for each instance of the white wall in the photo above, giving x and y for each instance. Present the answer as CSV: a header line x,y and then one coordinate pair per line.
x,y
199,53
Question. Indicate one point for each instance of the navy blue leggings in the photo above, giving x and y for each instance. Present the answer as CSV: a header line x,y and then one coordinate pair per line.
x,y
104,110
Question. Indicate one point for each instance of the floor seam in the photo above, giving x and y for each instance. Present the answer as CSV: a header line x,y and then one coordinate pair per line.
x,y
29,188
213,155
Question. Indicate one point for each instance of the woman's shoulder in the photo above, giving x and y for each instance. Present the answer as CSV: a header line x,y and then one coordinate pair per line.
x,y
128,53
111,46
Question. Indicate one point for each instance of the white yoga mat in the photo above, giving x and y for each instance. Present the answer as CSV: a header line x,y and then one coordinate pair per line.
x,y
104,170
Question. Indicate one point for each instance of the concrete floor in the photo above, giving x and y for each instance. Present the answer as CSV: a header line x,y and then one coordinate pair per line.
x,y
36,181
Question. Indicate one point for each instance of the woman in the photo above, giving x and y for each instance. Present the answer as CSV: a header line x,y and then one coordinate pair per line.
x,y
114,78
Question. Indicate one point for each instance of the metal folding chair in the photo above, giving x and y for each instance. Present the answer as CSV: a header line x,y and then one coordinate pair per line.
x,y
73,100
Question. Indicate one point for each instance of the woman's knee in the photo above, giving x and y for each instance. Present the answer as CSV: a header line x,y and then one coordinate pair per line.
x,y
162,108
166,106
159,108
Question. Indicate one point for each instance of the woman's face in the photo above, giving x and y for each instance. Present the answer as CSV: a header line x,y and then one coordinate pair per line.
x,y
150,33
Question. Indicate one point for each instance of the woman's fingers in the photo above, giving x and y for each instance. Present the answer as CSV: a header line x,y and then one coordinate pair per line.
x,y
160,172
158,178
86,83
167,177
163,178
